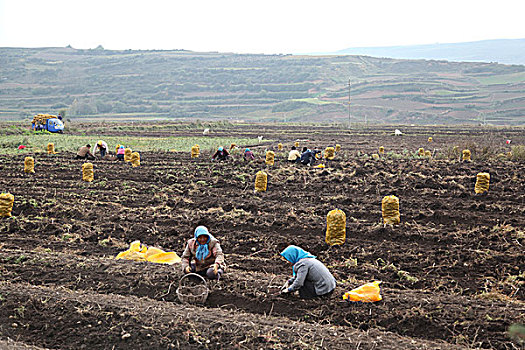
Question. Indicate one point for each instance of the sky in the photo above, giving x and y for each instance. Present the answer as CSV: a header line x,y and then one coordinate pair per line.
x,y
254,26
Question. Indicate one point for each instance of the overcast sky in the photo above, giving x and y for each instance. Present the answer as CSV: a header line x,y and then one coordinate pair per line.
x,y
252,26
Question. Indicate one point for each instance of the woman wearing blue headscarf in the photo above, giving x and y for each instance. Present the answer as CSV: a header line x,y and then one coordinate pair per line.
x,y
221,154
203,255
310,277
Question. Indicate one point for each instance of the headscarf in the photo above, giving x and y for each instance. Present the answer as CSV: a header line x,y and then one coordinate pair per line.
x,y
293,254
220,149
121,147
247,150
202,249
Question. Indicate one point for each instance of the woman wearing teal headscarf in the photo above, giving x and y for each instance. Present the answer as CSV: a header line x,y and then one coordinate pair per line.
x,y
203,255
310,277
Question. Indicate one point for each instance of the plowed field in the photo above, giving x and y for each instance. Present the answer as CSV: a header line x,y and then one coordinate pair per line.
x,y
452,272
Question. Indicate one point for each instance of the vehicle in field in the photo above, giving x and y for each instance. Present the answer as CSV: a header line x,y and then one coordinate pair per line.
x,y
47,122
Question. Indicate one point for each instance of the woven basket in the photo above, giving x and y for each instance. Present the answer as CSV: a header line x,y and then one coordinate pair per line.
x,y
195,293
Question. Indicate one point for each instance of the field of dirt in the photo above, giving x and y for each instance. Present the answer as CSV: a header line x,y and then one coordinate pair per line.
x,y
452,272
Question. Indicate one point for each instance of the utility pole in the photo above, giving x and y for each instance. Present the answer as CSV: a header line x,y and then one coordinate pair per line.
x,y
349,86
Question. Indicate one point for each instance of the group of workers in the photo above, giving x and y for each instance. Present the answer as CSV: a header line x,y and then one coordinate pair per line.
x,y
306,157
101,147
310,277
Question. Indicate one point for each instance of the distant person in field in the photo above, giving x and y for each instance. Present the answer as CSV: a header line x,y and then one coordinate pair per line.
x,y
203,255
84,152
248,155
221,154
310,276
294,156
102,147
307,157
120,153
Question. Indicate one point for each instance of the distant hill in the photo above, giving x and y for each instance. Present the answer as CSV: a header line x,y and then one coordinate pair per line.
x,y
505,51
100,84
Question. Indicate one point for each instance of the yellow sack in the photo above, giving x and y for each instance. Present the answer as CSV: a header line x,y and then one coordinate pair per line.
x,y
280,146
329,153
337,148
430,139
135,159
87,172
140,252
29,165
390,210
482,183
195,151
421,152
51,148
261,181
270,158
335,227
375,156
466,155
127,155
367,293
428,154
381,150
296,144
6,204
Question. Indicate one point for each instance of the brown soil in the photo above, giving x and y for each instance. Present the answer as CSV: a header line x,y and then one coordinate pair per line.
x,y
452,272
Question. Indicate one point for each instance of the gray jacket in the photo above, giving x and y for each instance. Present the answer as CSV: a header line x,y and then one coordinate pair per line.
x,y
314,271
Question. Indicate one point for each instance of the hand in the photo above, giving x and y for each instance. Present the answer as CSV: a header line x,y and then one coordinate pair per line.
x,y
285,286
285,290
187,269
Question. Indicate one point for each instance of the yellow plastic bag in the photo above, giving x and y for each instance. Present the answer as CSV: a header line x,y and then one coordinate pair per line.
x,y
390,210
466,155
29,165
141,252
51,148
261,181
335,227
270,158
87,172
127,154
135,159
6,204
367,293
482,183
195,151
329,153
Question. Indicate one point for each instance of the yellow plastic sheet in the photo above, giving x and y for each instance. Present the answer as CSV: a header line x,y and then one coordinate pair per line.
x,y
261,181
87,172
335,227
135,159
51,148
6,204
141,252
482,183
29,165
367,293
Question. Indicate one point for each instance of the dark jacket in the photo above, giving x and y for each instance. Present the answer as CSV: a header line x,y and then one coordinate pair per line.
x,y
307,157
221,155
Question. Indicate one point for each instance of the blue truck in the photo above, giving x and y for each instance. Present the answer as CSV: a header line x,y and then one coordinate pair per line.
x,y
47,122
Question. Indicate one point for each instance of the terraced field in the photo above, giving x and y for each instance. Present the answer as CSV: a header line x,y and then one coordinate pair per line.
x,y
452,272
